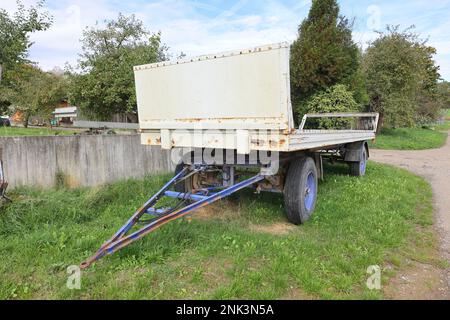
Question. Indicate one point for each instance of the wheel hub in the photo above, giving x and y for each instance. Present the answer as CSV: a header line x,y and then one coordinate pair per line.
x,y
310,187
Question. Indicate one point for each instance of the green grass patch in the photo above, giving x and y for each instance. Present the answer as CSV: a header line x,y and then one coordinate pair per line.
x,y
358,222
20,131
443,127
409,139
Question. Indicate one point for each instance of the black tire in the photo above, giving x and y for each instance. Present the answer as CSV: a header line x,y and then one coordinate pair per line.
x,y
358,169
186,185
299,196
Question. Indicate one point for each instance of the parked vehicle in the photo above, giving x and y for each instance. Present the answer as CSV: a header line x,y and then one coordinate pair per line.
x,y
229,116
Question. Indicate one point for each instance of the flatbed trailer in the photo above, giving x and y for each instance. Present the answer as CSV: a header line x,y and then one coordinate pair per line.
x,y
229,122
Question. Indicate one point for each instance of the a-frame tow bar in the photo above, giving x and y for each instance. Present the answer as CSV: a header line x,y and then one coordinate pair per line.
x,y
160,216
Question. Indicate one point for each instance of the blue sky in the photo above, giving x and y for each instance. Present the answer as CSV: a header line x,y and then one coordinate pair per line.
x,y
199,27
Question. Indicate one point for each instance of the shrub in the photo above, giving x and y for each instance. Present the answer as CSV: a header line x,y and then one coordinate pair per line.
x,y
335,99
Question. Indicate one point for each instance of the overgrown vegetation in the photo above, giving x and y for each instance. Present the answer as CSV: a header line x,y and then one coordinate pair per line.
x,y
402,79
242,247
335,99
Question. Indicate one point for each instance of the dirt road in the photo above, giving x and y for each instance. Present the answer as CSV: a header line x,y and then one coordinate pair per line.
x,y
433,165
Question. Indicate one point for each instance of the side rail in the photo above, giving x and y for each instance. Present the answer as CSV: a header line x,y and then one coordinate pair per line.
x,y
339,122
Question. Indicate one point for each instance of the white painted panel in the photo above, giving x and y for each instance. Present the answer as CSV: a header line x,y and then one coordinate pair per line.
x,y
243,90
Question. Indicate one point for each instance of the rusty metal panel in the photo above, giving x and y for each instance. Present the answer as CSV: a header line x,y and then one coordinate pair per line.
x,y
220,139
246,89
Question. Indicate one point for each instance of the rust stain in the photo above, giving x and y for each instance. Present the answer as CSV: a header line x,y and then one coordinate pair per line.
x,y
273,143
194,120
259,143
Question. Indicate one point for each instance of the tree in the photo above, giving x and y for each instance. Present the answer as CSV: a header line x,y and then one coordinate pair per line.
x,y
105,85
400,74
37,92
14,44
324,53
15,31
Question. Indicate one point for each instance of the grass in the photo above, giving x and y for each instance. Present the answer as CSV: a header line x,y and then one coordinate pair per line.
x,y
384,216
411,138
443,127
20,131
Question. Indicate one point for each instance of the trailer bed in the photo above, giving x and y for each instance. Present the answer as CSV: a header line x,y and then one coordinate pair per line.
x,y
232,100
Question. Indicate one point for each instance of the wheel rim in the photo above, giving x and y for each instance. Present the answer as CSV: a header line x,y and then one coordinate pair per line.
x,y
310,191
362,163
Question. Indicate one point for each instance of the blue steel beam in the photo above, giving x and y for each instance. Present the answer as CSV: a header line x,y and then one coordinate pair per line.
x,y
180,195
117,245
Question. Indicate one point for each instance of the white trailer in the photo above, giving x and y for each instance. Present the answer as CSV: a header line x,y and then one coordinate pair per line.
x,y
227,112
232,96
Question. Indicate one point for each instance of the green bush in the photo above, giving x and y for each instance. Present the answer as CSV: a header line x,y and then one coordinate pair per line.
x,y
335,99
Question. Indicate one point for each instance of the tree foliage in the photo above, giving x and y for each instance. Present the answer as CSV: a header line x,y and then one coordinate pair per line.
x,y
105,85
15,34
443,89
37,92
401,78
334,99
15,30
324,53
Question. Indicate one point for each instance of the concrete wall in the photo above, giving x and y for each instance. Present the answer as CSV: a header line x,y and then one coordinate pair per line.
x,y
82,160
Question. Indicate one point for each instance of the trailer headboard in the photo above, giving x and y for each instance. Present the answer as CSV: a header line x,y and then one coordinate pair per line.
x,y
245,89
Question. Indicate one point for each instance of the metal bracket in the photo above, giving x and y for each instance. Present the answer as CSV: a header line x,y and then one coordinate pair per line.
x,y
375,116
319,165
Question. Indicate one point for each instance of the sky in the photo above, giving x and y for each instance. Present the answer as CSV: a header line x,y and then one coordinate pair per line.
x,y
201,27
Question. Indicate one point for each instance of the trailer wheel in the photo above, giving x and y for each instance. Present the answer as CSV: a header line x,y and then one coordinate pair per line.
x,y
186,185
300,190
358,169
